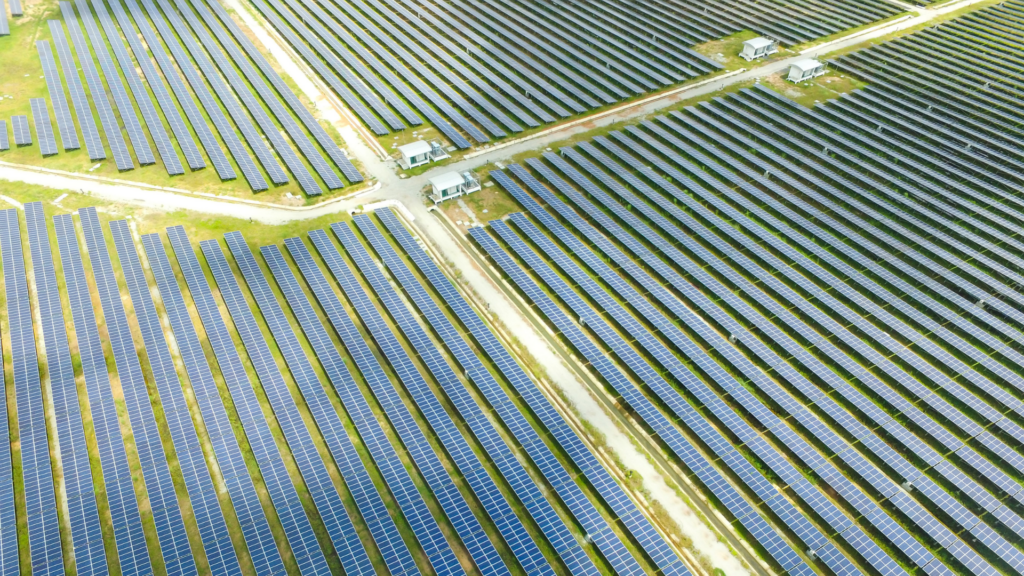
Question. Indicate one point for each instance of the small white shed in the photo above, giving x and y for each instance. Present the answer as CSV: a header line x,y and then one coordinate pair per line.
x,y
805,70
451,185
759,48
414,154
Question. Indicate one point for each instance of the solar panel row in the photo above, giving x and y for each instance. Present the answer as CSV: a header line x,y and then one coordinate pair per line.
x,y
5,143
122,504
55,88
385,532
9,555
283,494
455,507
83,511
44,127
22,136
114,83
44,544
217,546
83,113
579,506
108,121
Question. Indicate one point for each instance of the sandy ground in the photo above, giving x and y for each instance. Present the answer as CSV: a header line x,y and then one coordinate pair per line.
x,y
408,192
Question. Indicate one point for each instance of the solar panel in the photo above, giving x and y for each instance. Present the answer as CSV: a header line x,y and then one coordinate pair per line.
x,y
156,128
5,143
202,494
83,513
97,90
275,475
311,124
83,113
130,540
22,136
44,544
44,127
15,7
9,561
156,83
579,506
55,88
170,73
170,527
114,83
5,27
385,533
249,170
494,503
452,502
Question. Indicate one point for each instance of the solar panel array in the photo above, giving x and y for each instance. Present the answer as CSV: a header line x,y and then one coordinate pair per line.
x,y
15,7
83,113
458,448
213,530
9,554
55,88
108,121
872,351
130,541
5,26
579,506
190,46
171,162
22,136
275,475
44,544
253,521
83,511
466,525
44,127
385,533
5,142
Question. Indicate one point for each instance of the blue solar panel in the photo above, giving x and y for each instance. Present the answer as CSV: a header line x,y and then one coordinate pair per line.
x,y
602,481
430,466
44,128
43,536
98,92
5,143
156,128
114,83
256,529
83,513
55,88
282,491
213,530
9,562
83,113
311,124
495,504
132,553
163,501
385,533
22,136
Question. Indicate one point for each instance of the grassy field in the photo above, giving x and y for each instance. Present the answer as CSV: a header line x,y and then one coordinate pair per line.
x,y
23,79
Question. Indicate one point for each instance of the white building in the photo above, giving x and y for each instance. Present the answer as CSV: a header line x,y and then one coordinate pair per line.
x,y
759,48
805,70
419,153
452,185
